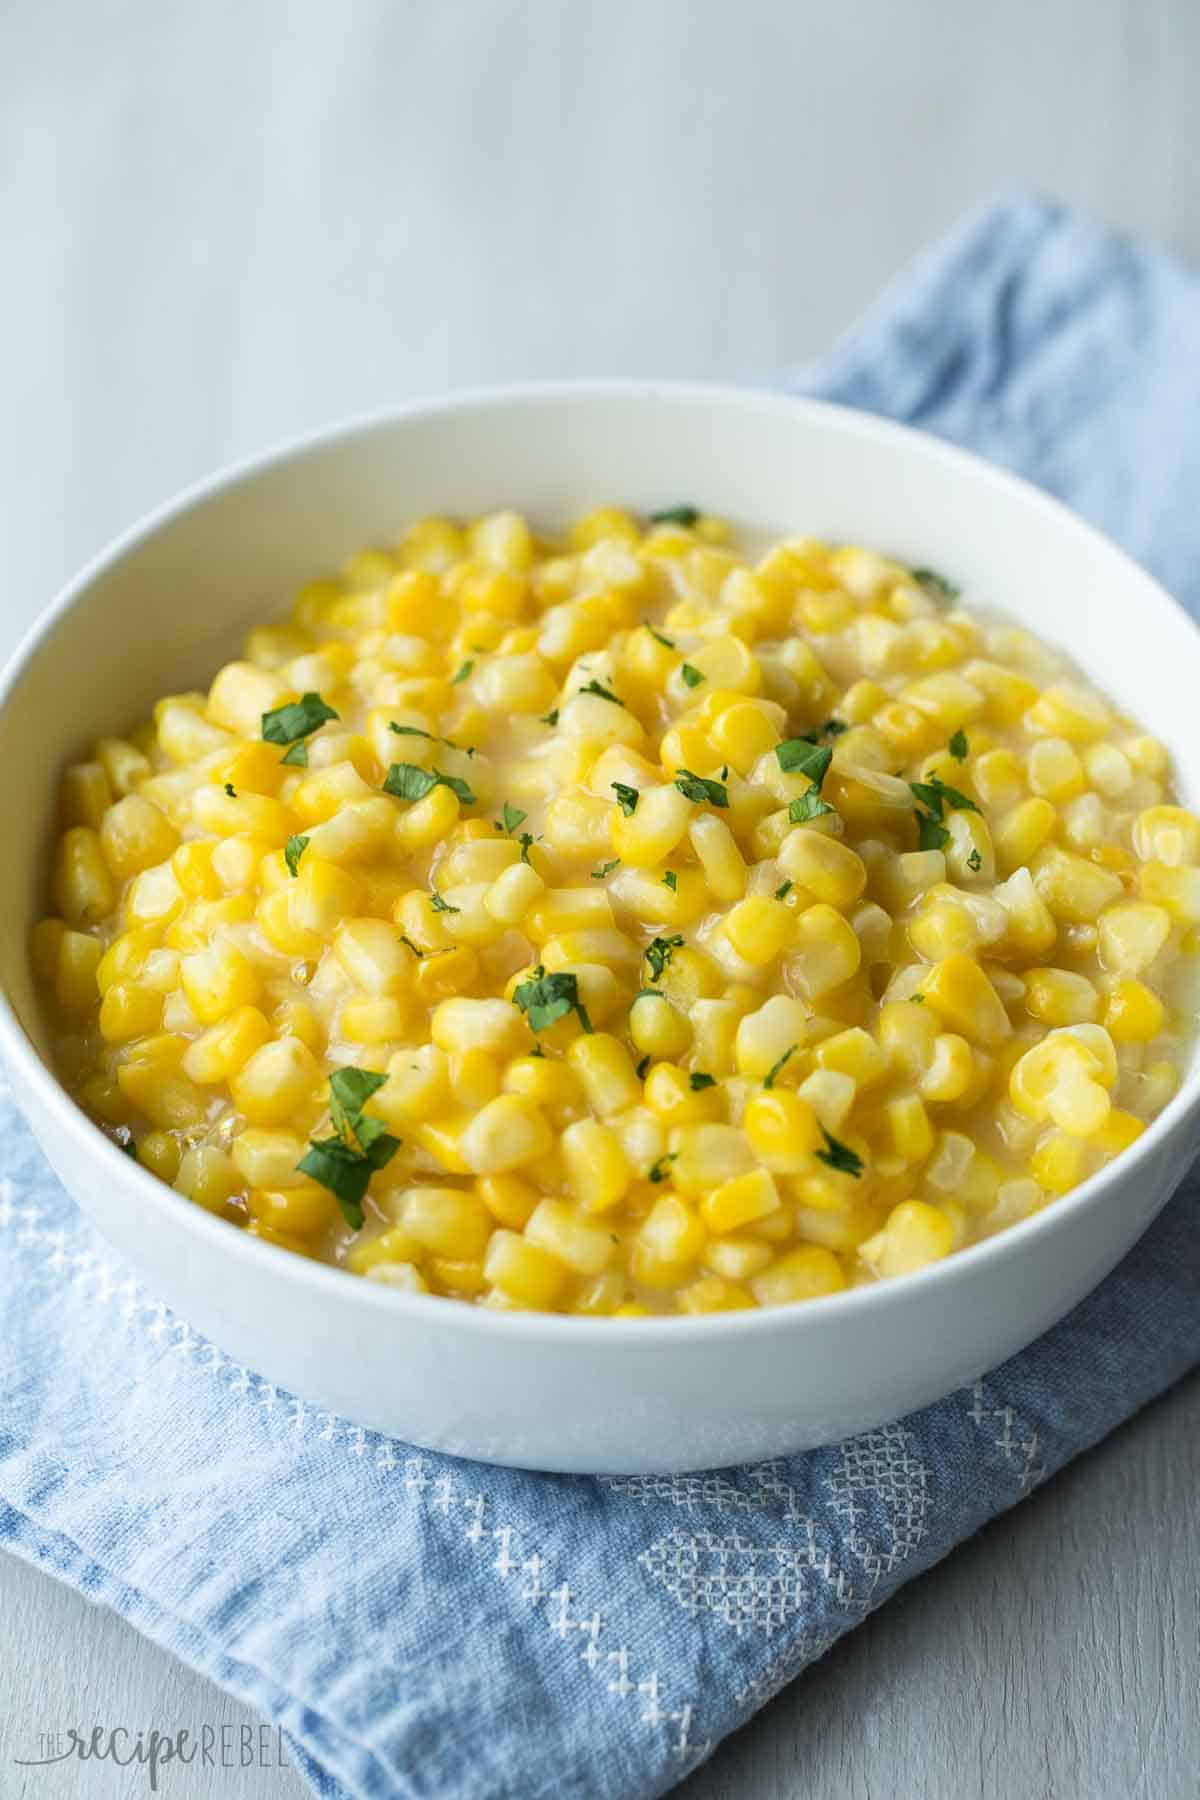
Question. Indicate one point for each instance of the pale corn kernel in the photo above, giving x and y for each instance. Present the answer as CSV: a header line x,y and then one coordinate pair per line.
x,y
1020,834
76,961
670,1237
915,1235
1175,889
671,1095
737,1258
711,1294
558,1228
167,1100
1054,770
1060,1162
597,1169
830,1095
962,996
125,767
268,1159
948,1073
84,795
129,1011
83,887
1167,834
373,955
827,869
719,857
802,1274
505,1134
513,893
1060,997
606,1071
279,1081
207,1176
1132,934
768,1033
218,980
903,879
824,952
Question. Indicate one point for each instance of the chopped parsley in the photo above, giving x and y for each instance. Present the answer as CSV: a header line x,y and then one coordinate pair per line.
x,y
642,1067
464,671
605,869
807,807
935,795
526,842
293,850
691,674
676,515
701,789
698,1081
345,1162
671,880
958,746
930,835
297,756
416,731
658,953
512,817
658,1170
627,798
550,718
935,585
544,999
417,953
601,692
773,1071
917,999
231,790
440,905
797,756
974,862
299,719
407,782
839,1156
666,642
785,887
834,727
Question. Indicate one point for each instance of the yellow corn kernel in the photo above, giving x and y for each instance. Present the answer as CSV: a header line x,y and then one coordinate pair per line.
x,y
268,1159
1021,833
83,888
1163,834
169,1101
647,836
542,1081
1176,890
908,1123
1119,1130
742,1201
737,1258
1054,770
1133,1013
75,986
743,732
670,1094
802,1274
446,972
998,778
1131,936
1031,929
84,795
124,766
279,1081
605,1068
393,1248
129,1011
915,1235
449,1222
1061,1162
657,1028
830,871
523,1271
252,815
713,1294
962,996
831,1096
513,893
825,950
373,955
161,1153
1059,997
597,1169
474,1079
768,1033
781,1129
558,1228
426,822
217,981
1070,712
854,1053
507,1133
903,879
207,1176
669,1239
509,1199
720,859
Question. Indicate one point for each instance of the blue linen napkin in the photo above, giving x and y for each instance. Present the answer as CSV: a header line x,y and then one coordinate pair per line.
x,y
425,1627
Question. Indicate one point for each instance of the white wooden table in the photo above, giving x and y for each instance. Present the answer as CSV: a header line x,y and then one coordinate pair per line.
x,y
224,224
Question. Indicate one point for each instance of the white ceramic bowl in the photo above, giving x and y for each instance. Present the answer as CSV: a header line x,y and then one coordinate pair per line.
x,y
167,604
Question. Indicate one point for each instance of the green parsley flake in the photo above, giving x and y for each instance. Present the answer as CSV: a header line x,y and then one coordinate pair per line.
x,y
544,999
642,1067
464,671
773,1071
513,816
297,756
345,1163
930,835
293,850
935,795
808,807
676,515
691,674
935,585
666,642
417,953
443,906
605,869
834,728
231,790
658,1171
550,718
627,798
658,953
784,887
671,880
797,756
526,842
698,1081
299,719
974,862
407,782
958,746
601,692
701,789
839,1156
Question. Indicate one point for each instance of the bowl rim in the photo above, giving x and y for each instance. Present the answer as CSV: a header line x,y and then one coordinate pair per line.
x,y
537,1328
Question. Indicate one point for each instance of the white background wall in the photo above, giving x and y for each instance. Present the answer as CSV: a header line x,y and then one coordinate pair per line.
x,y
223,221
